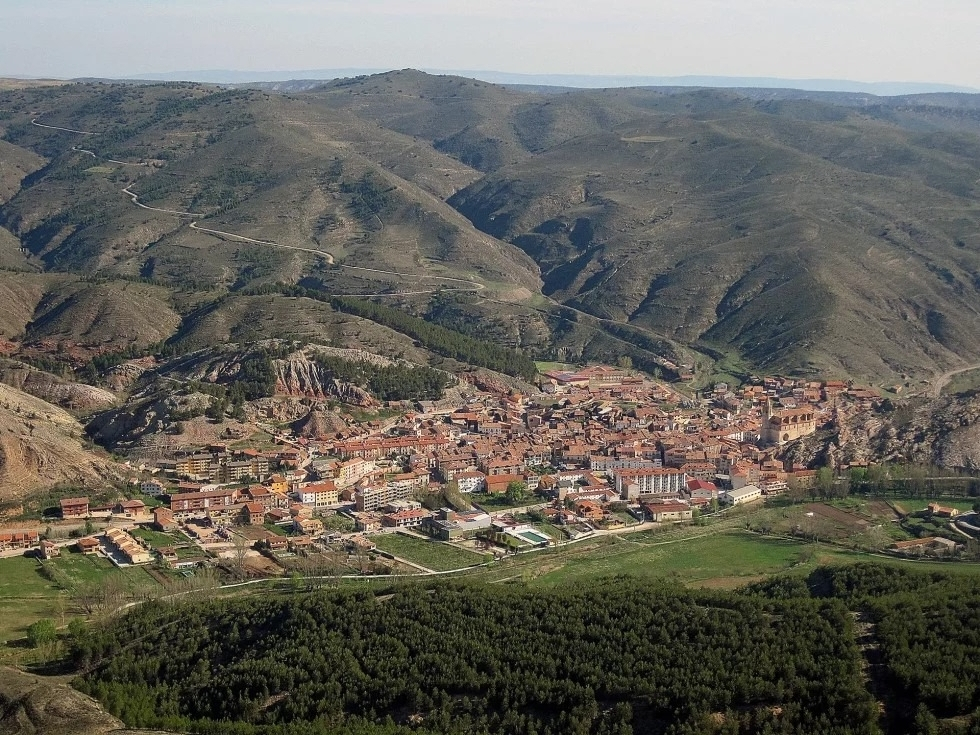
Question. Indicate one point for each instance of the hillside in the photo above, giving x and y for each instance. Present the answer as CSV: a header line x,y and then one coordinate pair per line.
x,y
770,230
41,445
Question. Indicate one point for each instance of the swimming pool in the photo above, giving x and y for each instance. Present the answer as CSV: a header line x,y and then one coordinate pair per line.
x,y
534,537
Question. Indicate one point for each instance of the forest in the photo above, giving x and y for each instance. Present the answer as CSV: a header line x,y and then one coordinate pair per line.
x,y
615,657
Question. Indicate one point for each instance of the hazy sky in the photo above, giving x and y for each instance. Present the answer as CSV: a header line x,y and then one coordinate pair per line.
x,y
863,40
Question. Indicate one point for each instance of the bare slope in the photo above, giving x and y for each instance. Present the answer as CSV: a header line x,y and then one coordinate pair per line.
x,y
40,445
108,315
312,186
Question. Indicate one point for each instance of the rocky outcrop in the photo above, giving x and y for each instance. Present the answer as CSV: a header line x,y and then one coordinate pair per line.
x,y
41,445
126,426
319,423
51,388
299,376
943,431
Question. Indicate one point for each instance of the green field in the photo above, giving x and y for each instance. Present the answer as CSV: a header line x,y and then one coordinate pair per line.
x,y
717,557
434,555
547,366
26,595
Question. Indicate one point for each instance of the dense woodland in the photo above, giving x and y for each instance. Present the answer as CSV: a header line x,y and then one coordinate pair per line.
x,y
927,627
617,657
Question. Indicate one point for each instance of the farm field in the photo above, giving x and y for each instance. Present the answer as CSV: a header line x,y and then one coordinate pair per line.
x,y
720,559
27,596
433,555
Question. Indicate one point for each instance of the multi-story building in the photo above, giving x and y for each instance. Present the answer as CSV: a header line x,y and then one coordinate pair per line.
x,y
74,507
375,496
655,481
602,463
353,470
18,540
471,482
187,502
319,494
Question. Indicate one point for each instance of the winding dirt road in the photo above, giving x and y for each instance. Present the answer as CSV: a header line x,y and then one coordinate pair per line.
x,y
942,381
467,285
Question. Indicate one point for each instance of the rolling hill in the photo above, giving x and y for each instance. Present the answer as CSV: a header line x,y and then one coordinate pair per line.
x,y
803,232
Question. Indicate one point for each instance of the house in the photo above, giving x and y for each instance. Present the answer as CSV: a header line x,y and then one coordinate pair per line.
x,y
308,526
252,514
275,542
278,484
126,546
941,511
361,543
151,487
163,519
299,543
49,549
367,521
409,518
278,515
18,540
262,495
74,507
589,510
130,508
87,545
168,555
668,512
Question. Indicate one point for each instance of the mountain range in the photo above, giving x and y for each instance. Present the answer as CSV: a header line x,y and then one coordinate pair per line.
x,y
735,230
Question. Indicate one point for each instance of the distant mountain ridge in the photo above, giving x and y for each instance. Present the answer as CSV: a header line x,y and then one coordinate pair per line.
x,y
572,81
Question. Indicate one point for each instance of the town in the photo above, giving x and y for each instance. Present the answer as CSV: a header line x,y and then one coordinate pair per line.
x,y
596,450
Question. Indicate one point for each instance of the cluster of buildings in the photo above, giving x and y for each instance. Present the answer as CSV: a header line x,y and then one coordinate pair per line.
x,y
596,445
590,439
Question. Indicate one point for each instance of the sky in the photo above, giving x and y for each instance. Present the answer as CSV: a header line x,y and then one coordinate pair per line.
x,y
862,40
